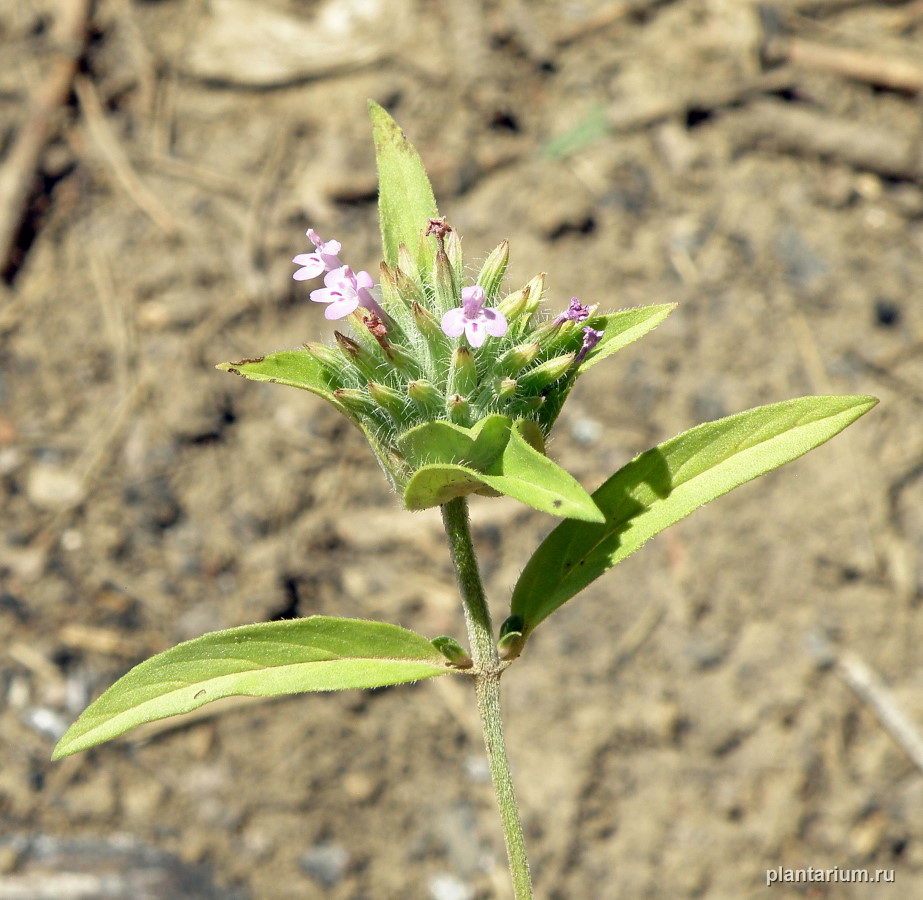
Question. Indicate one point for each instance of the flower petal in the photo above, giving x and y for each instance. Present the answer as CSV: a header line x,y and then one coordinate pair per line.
x,y
325,295
494,322
475,332
453,322
341,307
312,266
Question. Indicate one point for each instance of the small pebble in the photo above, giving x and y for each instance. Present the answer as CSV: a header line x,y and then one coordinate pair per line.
x,y
46,722
53,488
326,863
448,887
586,431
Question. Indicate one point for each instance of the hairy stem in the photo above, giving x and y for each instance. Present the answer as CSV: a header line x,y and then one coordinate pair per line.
x,y
486,673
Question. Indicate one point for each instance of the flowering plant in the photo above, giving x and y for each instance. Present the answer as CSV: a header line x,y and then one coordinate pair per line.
x,y
457,386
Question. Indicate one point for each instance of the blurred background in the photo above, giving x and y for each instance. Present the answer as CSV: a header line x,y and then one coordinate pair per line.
x,y
742,694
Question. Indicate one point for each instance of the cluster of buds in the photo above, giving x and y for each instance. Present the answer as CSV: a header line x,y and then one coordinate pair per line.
x,y
426,347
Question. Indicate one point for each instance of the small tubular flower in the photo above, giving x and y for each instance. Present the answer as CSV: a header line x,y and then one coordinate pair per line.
x,y
576,312
591,337
472,319
344,291
325,259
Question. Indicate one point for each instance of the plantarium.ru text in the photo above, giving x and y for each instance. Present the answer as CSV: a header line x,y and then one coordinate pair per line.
x,y
457,387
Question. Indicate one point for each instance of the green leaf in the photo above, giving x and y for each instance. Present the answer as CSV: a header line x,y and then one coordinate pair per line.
x,y
445,442
437,484
319,653
530,477
666,483
622,328
619,330
296,368
520,470
405,196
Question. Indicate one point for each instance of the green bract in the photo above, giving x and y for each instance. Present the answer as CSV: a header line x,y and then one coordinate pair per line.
x,y
443,418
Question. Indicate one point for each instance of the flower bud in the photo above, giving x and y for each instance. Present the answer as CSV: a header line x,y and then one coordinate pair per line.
x,y
514,305
506,387
424,394
536,288
492,272
536,380
389,399
463,375
453,250
436,342
326,355
402,360
517,358
459,410
361,357
395,301
408,287
444,284
355,401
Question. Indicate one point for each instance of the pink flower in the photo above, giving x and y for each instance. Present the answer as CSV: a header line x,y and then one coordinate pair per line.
x,y
314,264
472,319
344,292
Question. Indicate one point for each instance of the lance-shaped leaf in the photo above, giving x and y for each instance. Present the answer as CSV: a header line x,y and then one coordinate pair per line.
x,y
405,196
521,471
320,653
619,330
664,484
623,328
296,368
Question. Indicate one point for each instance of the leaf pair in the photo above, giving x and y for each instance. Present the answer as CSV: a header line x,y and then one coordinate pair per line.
x,y
496,455
321,653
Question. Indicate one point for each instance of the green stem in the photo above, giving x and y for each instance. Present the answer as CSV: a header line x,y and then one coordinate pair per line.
x,y
486,673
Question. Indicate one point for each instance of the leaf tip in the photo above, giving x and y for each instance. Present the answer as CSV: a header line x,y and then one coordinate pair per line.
x,y
64,748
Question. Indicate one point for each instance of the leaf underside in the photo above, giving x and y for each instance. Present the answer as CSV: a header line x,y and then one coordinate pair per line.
x,y
319,653
666,483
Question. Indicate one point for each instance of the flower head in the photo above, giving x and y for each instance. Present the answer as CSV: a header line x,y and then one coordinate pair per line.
x,y
472,319
326,258
344,292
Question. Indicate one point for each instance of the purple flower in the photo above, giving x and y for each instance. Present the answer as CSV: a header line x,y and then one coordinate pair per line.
x,y
314,264
345,291
576,312
591,337
472,319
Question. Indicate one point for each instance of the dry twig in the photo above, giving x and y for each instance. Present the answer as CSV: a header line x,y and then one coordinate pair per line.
x,y
872,68
870,688
18,171
632,115
115,156
805,130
